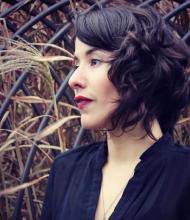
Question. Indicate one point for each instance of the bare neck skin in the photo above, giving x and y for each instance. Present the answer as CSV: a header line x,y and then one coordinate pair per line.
x,y
128,147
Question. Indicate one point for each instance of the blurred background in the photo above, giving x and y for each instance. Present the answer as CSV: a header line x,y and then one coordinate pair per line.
x,y
37,113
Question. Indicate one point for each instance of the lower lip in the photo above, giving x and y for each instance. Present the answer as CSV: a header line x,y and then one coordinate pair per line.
x,y
83,104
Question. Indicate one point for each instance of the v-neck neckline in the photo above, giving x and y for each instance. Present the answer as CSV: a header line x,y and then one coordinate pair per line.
x,y
133,184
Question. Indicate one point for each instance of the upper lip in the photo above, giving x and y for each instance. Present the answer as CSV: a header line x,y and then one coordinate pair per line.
x,y
80,98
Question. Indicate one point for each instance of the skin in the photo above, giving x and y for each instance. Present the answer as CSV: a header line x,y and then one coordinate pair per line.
x,y
91,80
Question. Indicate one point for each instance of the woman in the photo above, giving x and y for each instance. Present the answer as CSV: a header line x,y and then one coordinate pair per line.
x,y
130,80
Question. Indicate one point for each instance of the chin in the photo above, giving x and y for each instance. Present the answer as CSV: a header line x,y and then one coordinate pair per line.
x,y
93,122
92,125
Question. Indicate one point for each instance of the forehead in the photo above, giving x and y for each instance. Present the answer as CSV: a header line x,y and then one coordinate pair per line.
x,y
82,49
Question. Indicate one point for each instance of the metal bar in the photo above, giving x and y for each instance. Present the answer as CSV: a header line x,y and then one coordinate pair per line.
x,y
43,14
18,205
13,29
14,7
57,36
13,90
63,85
19,5
183,6
186,38
148,2
79,137
20,83
27,93
48,2
31,202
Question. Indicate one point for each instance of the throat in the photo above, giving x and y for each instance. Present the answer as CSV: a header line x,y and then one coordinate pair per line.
x,y
127,149
114,182
130,145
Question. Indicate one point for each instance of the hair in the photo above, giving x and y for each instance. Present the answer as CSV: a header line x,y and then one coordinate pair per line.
x,y
149,65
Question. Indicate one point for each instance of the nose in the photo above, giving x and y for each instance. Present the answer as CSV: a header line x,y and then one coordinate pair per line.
x,y
77,79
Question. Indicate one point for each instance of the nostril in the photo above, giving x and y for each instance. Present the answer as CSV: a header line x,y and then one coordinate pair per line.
x,y
75,83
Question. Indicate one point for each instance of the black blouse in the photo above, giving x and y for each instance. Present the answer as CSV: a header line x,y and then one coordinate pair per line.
x,y
159,189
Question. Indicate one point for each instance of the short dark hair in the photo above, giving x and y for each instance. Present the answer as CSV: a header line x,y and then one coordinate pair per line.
x,y
149,66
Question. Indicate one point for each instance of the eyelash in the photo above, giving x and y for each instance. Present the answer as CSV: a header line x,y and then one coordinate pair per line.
x,y
76,64
95,60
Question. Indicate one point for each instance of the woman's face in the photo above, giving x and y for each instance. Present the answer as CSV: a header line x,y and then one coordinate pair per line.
x,y
95,95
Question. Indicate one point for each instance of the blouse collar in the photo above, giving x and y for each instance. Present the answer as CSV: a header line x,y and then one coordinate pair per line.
x,y
161,145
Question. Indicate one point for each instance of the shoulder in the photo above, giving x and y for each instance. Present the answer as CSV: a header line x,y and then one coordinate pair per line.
x,y
176,157
181,151
179,159
81,154
178,167
173,150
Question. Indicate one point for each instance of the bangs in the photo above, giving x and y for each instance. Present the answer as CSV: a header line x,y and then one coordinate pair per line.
x,y
101,28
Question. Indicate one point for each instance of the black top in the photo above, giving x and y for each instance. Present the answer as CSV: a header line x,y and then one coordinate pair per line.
x,y
159,189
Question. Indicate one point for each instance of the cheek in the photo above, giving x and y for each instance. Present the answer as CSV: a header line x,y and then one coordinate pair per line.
x,y
109,101
101,82
109,91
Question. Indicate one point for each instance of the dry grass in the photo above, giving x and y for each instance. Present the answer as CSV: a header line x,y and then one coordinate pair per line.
x,y
22,123
17,140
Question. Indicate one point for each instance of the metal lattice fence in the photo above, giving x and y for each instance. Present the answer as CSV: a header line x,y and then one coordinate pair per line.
x,y
25,100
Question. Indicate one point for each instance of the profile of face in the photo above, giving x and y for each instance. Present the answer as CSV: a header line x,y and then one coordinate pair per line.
x,y
95,95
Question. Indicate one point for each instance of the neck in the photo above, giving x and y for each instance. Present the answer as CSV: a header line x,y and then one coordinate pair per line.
x,y
128,147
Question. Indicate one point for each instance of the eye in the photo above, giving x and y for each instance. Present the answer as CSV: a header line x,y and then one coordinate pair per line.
x,y
95,62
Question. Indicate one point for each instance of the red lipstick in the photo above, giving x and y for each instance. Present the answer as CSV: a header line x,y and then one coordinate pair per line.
x,y
82,101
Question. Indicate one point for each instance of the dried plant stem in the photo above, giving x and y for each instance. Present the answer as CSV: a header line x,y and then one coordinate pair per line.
x,y
23,55
54,46
21,168
41,146
58,130
4,118
2,149
53,127
184,120
36,99
39,171
22,186
4,28
73,5
15,132
4,187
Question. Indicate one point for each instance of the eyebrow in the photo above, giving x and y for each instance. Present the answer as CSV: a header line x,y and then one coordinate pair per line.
x,y
90,51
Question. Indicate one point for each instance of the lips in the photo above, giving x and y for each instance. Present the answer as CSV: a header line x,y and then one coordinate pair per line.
x,y
82,101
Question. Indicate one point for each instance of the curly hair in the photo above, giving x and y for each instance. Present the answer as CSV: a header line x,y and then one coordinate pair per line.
x,y
149,65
